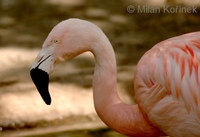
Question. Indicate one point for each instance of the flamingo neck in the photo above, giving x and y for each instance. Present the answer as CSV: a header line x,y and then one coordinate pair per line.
x,y
105,80
117,115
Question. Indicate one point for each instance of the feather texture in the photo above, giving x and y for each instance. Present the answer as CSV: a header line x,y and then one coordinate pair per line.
x,y
175,63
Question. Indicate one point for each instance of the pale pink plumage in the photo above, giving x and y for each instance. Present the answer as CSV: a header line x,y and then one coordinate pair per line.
x,y
166,81
175,64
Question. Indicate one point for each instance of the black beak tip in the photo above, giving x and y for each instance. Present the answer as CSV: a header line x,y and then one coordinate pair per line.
x,y
41,81
48,102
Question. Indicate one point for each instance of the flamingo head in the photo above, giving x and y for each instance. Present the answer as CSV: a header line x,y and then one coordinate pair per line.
x,y
66,40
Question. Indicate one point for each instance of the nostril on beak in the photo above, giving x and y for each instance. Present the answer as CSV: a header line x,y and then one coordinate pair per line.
x,y
40,59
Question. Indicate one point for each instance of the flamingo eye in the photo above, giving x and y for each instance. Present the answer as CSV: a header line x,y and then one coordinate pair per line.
x,y
56,41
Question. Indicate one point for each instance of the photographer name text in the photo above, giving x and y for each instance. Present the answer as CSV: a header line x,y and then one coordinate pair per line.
x,y
164,9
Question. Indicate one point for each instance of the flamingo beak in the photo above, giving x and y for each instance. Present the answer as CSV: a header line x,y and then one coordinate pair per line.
x,y
41,81
42,66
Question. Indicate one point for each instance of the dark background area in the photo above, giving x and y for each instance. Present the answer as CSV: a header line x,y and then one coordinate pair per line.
x,y
26,23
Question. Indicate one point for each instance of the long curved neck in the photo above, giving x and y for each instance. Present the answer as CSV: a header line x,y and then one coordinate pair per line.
x,y
117,115
105,80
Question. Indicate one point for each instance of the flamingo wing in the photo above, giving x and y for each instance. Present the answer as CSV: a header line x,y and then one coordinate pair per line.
x,y
175,63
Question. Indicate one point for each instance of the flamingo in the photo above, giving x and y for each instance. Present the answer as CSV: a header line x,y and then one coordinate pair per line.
x,y
166,80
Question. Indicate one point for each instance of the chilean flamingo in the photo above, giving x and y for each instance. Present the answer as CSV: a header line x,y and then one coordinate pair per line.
x,y
166,80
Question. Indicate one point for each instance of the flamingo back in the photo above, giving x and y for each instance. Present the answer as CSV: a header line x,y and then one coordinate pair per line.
x,y
175,63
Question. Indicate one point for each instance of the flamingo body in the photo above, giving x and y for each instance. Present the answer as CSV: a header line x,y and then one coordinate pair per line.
x,y
175,64
166,80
